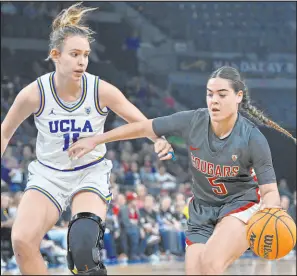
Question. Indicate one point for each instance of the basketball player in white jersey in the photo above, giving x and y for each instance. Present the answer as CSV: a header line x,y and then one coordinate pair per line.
x,y
68,104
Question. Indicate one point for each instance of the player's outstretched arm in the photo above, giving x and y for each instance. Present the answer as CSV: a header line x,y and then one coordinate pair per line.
x,y
176,123
130,131
111,97
25,103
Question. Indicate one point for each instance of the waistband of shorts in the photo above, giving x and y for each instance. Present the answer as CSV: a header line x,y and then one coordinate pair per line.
x,y
75,168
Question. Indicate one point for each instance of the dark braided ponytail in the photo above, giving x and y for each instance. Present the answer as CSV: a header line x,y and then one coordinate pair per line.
x,y
255,114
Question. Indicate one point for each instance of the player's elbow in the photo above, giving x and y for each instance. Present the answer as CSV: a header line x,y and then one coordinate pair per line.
x,y
268,189
6,130
147,129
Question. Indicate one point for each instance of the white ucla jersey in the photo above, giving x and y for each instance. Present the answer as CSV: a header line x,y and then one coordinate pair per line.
x,y
59,125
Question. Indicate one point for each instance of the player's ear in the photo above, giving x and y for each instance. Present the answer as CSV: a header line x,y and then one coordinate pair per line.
x,y
55,54
239,96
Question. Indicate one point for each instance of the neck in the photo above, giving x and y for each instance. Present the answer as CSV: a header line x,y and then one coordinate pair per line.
x,y
223,128
66,86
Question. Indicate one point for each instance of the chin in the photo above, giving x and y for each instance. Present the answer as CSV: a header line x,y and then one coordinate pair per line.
x,y
76,78
216,119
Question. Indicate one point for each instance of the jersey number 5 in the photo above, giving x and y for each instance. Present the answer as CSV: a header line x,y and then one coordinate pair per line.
x,y
67,139
218,188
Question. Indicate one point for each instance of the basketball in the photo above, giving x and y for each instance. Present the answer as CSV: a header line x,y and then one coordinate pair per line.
x,y
271,233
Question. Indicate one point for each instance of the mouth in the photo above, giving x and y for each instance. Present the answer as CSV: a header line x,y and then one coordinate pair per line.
x,y
79,71
214,109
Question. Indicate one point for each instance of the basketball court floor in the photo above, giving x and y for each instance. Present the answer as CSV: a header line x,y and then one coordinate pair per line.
x,y
240,267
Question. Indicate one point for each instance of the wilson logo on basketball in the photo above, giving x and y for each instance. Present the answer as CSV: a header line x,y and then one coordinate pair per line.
x,y
267,248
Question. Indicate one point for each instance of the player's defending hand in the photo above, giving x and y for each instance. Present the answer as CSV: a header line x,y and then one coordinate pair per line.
x,y
81,147
164,149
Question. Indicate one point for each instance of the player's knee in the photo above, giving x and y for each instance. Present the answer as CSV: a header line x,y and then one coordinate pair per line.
x,y
210,265
85,242
22,242
192,268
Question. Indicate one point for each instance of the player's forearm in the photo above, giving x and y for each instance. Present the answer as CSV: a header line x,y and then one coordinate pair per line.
x,y
137,116
270,195
271,198
130,131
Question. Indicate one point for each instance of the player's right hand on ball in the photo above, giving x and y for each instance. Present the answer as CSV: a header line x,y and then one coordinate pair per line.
x,y
81,147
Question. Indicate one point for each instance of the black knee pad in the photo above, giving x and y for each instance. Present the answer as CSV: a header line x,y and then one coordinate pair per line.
x,y
85,242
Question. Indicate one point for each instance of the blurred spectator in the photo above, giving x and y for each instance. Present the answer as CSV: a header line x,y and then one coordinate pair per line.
x,y
6,218
179,197
125,161
17,83
111,155
168,220
16,175
131,235
169,100
180,213
132,177
127,147
26,158
58,233
118,202
165,179
15,203
5,178
283,187
285,202
146,149
112,234
113,181
4,186
6,223
149,222
141,192
170,228
292,207
147,175
130,47
132,42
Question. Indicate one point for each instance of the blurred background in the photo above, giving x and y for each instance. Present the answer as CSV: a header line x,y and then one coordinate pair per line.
x,y
159,54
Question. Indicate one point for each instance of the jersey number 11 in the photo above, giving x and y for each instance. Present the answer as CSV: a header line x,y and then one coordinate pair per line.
x,y
67,139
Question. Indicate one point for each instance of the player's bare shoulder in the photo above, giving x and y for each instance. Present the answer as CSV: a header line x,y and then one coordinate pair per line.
x,y
30,95
106,88
26,102
109,95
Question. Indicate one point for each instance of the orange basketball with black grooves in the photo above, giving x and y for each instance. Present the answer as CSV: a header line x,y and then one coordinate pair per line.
x,y
271,233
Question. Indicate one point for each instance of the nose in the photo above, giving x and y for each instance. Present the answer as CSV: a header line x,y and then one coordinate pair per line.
x,y
81,61
215,98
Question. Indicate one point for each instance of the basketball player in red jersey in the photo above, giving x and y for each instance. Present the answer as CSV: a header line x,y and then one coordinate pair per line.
x,y
223,148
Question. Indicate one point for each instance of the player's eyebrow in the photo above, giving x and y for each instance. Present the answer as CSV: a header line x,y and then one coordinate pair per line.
x,y
80,50
220,90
